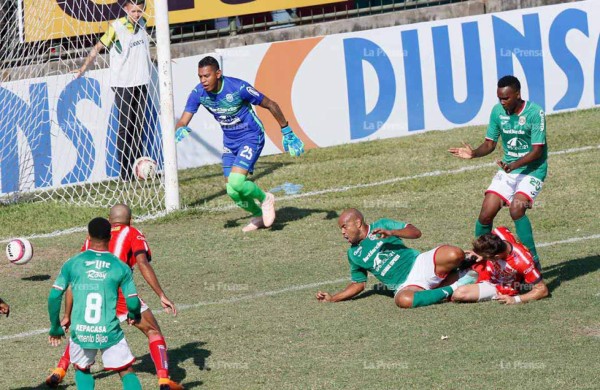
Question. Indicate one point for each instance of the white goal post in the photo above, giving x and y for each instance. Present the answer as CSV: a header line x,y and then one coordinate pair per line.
x,y
71,126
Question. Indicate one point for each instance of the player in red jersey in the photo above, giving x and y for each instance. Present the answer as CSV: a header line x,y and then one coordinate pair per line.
x,y
506,266
129,245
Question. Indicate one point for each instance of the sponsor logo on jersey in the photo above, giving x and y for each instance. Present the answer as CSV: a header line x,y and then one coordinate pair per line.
x,y
99,264
381,258
373,251
512,131
96,275
542,121
358,251
91,328
229,97
517,144
522,120
252,91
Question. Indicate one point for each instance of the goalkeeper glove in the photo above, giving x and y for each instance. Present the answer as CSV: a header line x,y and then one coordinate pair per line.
x,y
291,142
181,133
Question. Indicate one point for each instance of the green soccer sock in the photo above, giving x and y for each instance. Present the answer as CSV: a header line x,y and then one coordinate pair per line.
x,y
253,191
131,382
84,380
245,203
481,229
429,297
525,233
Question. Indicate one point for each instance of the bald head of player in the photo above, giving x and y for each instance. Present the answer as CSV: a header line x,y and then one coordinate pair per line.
x,y
120,213
353,225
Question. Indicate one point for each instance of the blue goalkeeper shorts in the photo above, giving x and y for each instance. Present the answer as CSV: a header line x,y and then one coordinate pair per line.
x,y
244,155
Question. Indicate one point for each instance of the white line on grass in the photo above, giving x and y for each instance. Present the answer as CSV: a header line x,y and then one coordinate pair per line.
x,y
318,192
263,294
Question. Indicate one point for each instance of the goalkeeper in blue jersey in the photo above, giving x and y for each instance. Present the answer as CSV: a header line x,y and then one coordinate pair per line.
x,y
230,101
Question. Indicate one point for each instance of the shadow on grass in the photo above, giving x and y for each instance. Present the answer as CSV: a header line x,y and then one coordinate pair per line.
x,y
36,278
265,169
144,364
286,215
569,270
377,289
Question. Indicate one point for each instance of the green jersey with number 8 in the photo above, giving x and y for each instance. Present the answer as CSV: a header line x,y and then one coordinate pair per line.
x,y
519,133
95,278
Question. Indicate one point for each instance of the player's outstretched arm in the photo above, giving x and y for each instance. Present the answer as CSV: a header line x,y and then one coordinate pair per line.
x,y
409,231
291,142
352,290
539,291
467,152
150,277
56,331
181,128
4,308
89,59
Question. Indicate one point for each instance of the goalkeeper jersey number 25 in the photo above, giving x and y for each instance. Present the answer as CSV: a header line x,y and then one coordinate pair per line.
x,y
95,278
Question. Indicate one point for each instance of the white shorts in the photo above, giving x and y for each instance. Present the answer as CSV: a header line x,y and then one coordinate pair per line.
x,y
487,291
507,185
116,358
423,273
123,317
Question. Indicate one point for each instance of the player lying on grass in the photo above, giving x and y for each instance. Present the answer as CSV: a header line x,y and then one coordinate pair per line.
x,y
130,245
96,278
230,101
4,308
378,248
506,267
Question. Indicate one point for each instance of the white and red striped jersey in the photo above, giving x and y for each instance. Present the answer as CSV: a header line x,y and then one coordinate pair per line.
x,y
126,242
509,274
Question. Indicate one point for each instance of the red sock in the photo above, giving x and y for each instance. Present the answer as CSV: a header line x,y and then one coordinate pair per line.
x,y
65,359
158,351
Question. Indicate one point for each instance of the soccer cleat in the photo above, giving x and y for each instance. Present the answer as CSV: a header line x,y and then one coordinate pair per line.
x,y
469,278
268,209
55,377
255,224
168,384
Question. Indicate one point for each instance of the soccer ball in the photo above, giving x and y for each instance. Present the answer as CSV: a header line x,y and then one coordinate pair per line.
x,y
144,168
19,251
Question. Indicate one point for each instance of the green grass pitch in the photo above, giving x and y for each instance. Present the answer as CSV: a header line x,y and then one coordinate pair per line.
x,y
248,317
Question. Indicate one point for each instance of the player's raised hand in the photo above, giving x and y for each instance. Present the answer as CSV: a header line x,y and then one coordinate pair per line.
x,y
384,233
323,296
291,142
473,256
465,152
168,305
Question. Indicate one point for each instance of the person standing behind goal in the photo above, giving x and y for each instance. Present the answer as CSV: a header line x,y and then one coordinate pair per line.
x,y
129,47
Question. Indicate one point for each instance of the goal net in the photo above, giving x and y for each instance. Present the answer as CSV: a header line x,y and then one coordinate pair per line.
x,y
71,137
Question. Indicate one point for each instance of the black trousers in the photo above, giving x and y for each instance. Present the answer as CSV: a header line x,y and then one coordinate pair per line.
x,y
131,103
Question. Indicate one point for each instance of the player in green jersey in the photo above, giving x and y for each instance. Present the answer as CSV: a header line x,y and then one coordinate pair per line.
x,y
378,248
522,127
95,277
